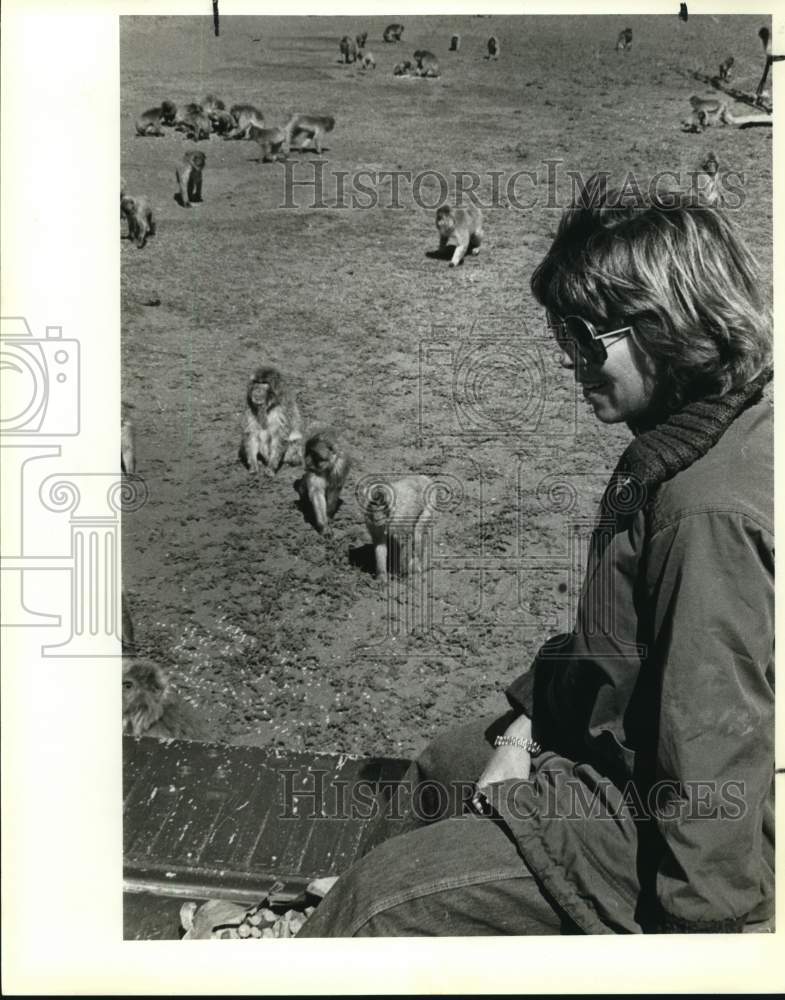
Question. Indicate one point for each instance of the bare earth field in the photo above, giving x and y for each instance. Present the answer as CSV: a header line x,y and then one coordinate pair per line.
x,y
280,637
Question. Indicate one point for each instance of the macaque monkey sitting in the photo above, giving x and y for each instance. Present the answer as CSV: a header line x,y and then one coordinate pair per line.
x,y
150,707
272,426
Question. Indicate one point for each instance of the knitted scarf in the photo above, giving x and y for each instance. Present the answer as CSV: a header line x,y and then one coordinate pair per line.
x,y
656,455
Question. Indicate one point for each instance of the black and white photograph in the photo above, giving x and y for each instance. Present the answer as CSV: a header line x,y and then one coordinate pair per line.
x,y
435,581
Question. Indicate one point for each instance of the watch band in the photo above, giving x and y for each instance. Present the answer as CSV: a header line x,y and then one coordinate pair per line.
x,y
530,746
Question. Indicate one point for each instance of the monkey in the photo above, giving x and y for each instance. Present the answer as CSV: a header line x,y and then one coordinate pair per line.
x,y
455,43
403,68
150,707
313,126
765,37
427,63
347,49
683,12
189,177
245,115
361,39
327,465
223,122
127,441
367,60
462,228
212,103
704,113
272,427
494,49
710,191
194,122
398,511
393,33
271,141
150,122
725,68
139,215
624,41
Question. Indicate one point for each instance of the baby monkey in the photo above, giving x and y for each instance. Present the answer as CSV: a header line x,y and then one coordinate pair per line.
x,y
461,228
327,465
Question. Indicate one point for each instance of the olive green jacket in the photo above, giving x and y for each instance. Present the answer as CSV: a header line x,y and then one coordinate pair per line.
x,y
651,805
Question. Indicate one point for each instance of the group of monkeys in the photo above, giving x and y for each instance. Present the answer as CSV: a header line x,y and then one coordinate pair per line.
x,y
714,111
200,121
425,62
397,514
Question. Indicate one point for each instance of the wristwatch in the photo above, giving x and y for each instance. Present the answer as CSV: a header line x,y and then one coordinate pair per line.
x,y
530,746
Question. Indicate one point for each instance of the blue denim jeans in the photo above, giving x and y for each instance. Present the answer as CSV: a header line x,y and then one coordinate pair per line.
x,y
437,869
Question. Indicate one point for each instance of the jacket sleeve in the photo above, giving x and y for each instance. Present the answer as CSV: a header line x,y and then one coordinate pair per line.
x,y
710,585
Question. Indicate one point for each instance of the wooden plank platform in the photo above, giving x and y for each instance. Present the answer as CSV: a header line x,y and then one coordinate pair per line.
x,y
206,821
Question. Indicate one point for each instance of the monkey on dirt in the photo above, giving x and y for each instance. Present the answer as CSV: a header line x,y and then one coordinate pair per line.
x,y
361,39
138,213
151,708
708,182
272,427
705,112
327,465
348,49
313,127
150,122
397,514
271,142
194,123
393,33
455,43
624,41
403,68
223,122
246,116
461,228
725,68
494,49
212,103
427,63
189,177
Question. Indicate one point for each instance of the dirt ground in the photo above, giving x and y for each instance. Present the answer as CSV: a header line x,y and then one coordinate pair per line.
x,y
279,637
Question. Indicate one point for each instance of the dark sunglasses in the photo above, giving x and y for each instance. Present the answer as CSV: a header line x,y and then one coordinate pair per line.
x,y
573,332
